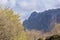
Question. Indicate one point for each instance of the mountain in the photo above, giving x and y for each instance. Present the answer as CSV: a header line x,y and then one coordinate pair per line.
x,y
44,21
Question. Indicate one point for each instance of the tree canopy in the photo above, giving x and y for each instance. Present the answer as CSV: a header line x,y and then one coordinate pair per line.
x,y
10,25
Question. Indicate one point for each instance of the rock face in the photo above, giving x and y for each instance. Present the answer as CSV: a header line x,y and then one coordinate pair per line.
x,y
44,21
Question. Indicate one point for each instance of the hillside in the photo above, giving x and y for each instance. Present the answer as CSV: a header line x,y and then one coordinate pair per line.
x,y
44,21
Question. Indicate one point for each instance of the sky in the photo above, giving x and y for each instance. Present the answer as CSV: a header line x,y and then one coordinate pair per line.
x,y
25,7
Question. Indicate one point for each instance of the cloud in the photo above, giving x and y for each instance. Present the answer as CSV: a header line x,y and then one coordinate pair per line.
x,y
8,3
12,3
3,2
30,4
25,7
58,1
50,4
35,4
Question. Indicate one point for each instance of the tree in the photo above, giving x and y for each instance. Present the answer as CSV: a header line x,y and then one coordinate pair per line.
x,y
10,25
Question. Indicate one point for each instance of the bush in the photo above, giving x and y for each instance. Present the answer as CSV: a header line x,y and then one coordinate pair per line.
x,y
54,37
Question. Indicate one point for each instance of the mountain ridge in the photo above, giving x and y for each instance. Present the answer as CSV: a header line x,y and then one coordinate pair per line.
x,y
44,21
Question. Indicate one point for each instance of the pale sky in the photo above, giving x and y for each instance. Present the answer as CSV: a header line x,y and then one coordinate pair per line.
x,y
25,7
